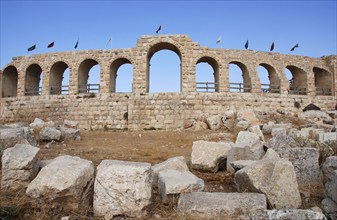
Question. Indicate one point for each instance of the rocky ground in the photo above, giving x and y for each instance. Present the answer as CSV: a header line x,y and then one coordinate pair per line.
x,y
251,136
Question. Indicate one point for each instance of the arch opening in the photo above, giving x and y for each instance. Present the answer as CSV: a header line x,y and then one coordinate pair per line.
x,y
89,76
270,82
323,82
59,79
33,80
163,73
207,75
121,75
239,82
297,80
9,82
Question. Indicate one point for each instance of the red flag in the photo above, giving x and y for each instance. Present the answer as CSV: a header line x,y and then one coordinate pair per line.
x,y
51,44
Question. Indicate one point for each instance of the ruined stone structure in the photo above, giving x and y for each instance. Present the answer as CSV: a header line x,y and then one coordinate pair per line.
x,y
314,81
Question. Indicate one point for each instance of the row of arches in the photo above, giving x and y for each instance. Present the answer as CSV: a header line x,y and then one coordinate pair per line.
x,y
121,76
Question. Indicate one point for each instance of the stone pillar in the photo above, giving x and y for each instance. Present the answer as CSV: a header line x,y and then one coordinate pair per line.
x,y
45,80
311,88
223,77
73,80
21,82
104,78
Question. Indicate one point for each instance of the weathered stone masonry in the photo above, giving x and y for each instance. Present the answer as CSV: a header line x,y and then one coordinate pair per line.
x,y
140,109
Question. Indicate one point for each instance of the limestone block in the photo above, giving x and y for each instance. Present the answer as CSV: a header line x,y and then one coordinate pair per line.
x,y
307,169
174,163
71,124
20,165
241,126
209,156
278,131
331,187
49,134
256,129
229,119
266,128
173,182
12,135
70,134
281,144
285,214
66,181
329,207
38,124
205,205
329,166
122,188
312,116
248,115
271,155
213,122
327,137
276,179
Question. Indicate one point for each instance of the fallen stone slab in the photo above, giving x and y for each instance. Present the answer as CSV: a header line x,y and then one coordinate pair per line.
x,y
49,134
12,135
209,156
271,155
20,165
288,214
256,129
122,188
329,208
70,134
313,116
173,182
71,124
174,163
205,205
213,122
276,179
331,187
281,144
38,124
248,115
248,146
329,166
327,137
306,164
66,182
278,131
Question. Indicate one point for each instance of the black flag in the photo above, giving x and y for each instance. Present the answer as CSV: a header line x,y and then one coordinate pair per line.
x,y
51,44
272,46
76,45
32,48
296,46
246,45
159,29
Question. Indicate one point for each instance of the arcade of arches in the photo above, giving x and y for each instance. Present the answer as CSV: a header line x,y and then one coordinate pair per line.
x,y
227,73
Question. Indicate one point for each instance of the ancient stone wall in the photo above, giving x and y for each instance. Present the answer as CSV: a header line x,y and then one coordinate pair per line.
x,y
314,81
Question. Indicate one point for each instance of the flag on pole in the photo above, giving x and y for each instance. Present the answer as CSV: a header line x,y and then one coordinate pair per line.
x,y
32,48
219,40
51,44
246,45
272,46
159,29
109,42
76,45
296,46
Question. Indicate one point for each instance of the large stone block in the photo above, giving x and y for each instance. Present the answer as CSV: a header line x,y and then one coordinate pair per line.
x,y
70,134
205,205
331,187
276,179
213,122
174,163
289,214
20,165
66,181
329,166
49,134
122,188
173,182
209,156
305,162
12,135
281,144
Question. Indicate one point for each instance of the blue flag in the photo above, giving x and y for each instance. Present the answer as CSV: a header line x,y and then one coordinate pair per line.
x,y
246,45
296,46
32,48
76,45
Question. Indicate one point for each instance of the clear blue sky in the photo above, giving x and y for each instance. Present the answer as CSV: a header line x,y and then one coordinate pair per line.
x,y
312,24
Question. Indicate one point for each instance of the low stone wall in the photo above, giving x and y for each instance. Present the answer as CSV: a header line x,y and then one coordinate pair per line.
x,y
146,111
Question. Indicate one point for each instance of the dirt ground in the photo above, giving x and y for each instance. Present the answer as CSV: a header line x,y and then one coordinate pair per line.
x,y
142,146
